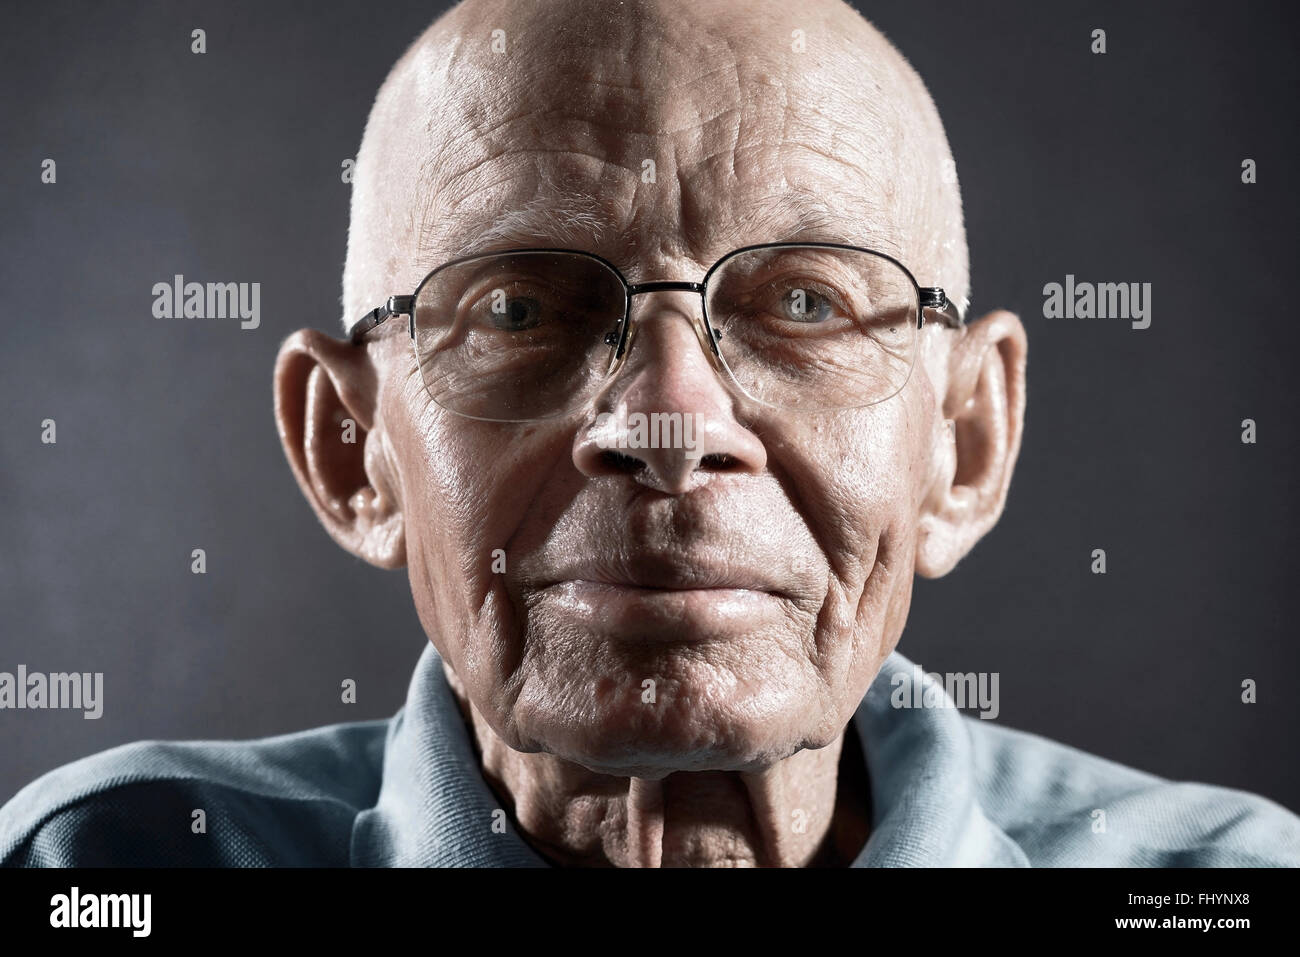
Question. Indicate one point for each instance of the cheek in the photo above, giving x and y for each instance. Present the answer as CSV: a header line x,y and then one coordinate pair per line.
x,y
466,487
859,479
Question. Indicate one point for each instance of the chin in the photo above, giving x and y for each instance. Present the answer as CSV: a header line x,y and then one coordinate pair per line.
x,y
696,722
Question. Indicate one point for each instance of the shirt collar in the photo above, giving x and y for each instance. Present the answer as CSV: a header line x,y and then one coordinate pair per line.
x,y
924,787
436,810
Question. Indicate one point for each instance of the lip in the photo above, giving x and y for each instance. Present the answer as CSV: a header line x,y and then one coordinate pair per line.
x,y
620,590
649,573
661,614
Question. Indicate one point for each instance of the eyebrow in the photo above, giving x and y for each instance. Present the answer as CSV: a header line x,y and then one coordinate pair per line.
x,y
582,221
571,221
799,213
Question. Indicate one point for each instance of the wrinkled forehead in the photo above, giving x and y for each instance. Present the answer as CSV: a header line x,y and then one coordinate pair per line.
x,y
679,134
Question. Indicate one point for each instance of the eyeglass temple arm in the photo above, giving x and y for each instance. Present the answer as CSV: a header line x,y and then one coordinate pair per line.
x,y
395,306
936,300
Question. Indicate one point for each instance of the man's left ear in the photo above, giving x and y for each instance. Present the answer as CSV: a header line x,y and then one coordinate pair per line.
x,y
977,446
326,391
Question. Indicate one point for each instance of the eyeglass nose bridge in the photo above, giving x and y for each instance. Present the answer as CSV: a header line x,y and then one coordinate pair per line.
x,y
622,337
665,285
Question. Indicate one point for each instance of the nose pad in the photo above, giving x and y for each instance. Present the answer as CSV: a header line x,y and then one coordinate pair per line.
x,y
702,336
658,318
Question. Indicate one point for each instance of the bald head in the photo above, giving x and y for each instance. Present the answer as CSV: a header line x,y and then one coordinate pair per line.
x,y
650,128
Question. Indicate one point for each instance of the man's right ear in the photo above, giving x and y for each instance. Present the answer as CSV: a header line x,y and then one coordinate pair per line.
x,y
326,391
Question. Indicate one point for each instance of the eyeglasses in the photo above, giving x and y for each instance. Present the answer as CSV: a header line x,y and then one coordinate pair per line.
x,y
531,334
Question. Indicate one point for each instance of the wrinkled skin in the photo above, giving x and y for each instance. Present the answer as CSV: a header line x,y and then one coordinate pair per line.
x,y
759,587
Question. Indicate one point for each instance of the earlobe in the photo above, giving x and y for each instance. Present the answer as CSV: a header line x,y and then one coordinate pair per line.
x,y
975,454
325,395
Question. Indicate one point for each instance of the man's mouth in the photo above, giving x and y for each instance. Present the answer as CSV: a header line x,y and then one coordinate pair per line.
x,y
649,597
651,572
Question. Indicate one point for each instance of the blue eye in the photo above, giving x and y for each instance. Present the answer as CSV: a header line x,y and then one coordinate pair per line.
x,y
515,314
805,305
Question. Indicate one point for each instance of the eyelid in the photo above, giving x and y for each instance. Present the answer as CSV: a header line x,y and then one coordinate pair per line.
x,y
481,287
564,297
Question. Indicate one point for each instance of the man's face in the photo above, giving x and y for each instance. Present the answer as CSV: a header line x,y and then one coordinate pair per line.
x,y
758,587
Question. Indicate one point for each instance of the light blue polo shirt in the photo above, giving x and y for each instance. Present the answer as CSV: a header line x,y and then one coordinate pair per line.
x,y
947,789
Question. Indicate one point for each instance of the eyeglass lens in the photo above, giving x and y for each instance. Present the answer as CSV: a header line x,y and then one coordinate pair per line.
x,y
527,335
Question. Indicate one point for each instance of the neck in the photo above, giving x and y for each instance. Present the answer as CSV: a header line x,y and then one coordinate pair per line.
x,y
804,810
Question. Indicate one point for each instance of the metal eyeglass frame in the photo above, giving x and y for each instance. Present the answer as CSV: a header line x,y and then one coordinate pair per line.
x,y
927,297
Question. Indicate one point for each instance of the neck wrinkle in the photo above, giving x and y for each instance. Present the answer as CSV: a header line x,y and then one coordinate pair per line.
x,y
645,822
780,816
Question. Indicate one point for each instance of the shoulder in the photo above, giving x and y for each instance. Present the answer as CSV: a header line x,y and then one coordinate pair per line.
x,y
279,801
1064,806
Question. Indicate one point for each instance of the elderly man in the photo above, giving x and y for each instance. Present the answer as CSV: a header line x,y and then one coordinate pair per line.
x,y
656,646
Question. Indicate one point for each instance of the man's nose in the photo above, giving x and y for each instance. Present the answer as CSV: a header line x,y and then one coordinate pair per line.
x,y
666,419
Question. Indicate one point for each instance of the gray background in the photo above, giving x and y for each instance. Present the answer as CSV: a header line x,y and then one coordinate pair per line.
x,y
226,167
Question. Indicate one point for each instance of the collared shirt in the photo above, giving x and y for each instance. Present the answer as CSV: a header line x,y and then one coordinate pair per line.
x,y
947,789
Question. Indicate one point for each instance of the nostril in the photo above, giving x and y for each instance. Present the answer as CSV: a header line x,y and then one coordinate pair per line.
x,y
619,462
719,462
